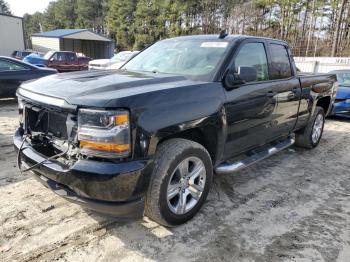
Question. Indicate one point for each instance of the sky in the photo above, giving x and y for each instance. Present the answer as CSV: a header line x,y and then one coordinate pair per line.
x,y
20,7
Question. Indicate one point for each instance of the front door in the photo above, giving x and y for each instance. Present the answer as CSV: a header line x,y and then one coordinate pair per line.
x,y
250,107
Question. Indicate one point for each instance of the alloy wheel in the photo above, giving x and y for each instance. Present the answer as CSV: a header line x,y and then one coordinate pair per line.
x,y
186,185
317,128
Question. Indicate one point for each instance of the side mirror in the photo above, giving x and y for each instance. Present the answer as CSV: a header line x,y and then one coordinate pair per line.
x,y
51,59
245,74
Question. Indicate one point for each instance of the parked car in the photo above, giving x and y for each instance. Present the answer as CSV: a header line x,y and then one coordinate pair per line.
x,y
21,54
342,100
35,59
148,138
115,62
62,61
14,72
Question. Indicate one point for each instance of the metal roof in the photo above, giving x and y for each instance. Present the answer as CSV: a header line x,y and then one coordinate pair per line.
x,y
63,33
60,32
13,16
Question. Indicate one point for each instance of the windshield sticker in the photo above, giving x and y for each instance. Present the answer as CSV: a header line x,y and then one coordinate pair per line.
x,y
214,44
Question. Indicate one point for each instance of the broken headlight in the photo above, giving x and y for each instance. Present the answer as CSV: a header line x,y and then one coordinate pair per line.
x,y
104,133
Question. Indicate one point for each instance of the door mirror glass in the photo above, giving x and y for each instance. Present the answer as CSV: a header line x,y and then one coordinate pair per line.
x,y
247,74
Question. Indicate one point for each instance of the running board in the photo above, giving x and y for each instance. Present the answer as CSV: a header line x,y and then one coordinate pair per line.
x,y
228,168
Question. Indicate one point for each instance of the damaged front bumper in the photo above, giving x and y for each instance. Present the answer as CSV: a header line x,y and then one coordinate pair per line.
x,y
116,189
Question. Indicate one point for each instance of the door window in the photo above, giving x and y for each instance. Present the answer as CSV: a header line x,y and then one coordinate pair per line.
x,y
280,64
253,55
70,57
58,57
9,66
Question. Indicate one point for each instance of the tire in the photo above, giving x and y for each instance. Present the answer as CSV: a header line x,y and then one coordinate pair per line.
x,y
168,179
307,137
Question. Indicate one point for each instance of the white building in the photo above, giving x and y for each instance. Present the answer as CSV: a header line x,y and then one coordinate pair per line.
x,y
322,64
11,34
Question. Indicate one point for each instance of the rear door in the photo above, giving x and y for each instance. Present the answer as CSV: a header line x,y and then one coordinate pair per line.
x,y
287,88
250,107
71,62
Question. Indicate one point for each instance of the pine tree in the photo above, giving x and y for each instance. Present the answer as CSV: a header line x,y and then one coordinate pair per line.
x,y
5,8
90,14
120,20
149,23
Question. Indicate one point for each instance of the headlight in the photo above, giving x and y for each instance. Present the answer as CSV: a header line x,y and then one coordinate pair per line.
x,y
104,133
347,101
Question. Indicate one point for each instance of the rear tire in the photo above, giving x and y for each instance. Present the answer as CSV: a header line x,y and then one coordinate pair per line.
x,y
180,182
311,135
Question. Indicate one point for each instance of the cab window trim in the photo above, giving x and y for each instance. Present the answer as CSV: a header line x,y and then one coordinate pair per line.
x,y
270,60
236,52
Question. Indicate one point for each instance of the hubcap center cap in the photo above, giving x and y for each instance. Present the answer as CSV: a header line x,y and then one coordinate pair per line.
x,y
184,183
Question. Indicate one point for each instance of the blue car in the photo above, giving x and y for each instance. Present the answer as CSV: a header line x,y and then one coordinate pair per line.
x,y
342,100
36,59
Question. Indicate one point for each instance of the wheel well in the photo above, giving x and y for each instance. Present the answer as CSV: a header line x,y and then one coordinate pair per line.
x,y
324,102
197,135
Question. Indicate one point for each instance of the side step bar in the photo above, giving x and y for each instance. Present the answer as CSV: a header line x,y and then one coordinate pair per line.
x,y
228,168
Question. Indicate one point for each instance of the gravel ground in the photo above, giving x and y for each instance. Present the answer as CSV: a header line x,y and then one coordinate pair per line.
x,y
294,206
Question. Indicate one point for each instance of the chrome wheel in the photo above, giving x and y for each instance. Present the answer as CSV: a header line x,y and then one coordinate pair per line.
x,y
317,128
186,185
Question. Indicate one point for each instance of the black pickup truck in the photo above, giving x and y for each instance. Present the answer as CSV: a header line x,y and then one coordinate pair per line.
x,y
148,138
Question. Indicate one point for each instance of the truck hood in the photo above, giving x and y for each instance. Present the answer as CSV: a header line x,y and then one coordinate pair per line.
x,y
343,92
98,88
117,65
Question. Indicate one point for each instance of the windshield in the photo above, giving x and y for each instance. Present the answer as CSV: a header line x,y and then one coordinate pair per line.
x,y
48,55
343,78
188,57
121,57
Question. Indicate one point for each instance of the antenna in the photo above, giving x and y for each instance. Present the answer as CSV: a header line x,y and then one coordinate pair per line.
x,y
223,34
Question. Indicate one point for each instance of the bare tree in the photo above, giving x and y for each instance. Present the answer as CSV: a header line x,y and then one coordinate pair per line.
x,y
338,27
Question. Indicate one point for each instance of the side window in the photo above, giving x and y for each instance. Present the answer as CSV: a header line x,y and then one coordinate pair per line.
x,y
61,57
54,57
280,64
58,57
9,66
70,57
253,55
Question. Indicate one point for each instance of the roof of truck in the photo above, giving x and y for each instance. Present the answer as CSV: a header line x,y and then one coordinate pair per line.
x,y
226,38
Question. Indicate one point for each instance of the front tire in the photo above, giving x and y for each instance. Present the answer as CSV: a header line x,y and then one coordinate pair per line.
x,y
311,135
180,182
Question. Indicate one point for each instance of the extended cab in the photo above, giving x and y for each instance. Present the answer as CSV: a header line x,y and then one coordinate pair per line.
x,y
149,137
66,61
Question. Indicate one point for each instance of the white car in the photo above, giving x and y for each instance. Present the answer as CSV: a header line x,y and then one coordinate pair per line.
x,y
114,63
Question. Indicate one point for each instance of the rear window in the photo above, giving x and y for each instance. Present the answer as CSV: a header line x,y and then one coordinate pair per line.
x,y
26,53
280,64
6,65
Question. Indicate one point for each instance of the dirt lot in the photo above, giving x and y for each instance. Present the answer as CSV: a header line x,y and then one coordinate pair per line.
x,y
294,206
